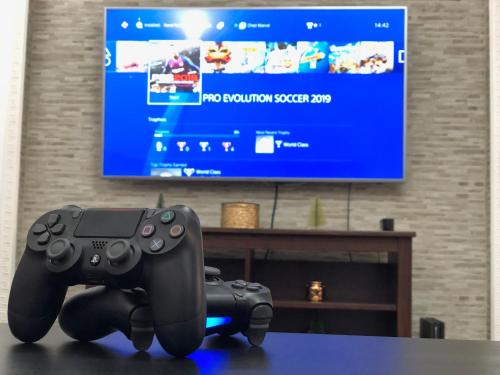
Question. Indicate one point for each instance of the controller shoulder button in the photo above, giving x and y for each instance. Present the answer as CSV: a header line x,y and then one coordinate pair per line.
x,y
53,219
75,210
43,239
58,229
39,229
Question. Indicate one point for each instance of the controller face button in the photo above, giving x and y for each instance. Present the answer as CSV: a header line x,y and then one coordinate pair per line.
x,y
58,229
39,229
147,230
44,239
176,231
167,217
156,244
241,282
252,287
59,250
237,285
53,219
118,252
95,260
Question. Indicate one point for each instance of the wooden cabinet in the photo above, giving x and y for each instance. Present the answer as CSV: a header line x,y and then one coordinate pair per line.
x,y
365,298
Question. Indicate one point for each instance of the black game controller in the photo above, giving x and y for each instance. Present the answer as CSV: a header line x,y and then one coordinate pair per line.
x,y
157,250
232,307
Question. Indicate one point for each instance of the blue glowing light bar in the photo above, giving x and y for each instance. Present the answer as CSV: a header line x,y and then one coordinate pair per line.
x,y
214,321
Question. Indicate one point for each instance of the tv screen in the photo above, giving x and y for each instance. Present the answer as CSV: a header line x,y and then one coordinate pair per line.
x,y
287,94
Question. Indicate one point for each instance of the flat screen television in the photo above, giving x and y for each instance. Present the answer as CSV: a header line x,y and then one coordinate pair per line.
x,y
286,94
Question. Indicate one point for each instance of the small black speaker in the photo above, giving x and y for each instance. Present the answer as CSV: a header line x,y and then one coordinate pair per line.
x,y
431,328
387,224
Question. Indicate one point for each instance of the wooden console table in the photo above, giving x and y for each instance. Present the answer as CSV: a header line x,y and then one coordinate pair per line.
x,y
360,298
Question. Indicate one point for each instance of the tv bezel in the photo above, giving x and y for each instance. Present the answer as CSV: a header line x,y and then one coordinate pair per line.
x,y
261,179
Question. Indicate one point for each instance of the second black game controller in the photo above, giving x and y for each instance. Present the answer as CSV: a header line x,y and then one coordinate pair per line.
x,y
232,307
157,250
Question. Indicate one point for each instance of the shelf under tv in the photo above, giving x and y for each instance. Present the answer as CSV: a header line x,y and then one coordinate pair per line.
x,y
361,298
328,305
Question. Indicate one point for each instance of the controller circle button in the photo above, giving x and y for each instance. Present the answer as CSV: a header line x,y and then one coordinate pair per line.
x,y
118,252
176,231
59,250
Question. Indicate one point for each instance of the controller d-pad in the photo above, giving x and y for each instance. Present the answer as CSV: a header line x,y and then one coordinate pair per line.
x,y
58,229
39,229
53,219
43,239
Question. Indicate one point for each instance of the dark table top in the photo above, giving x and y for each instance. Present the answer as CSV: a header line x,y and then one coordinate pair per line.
x,y
281,353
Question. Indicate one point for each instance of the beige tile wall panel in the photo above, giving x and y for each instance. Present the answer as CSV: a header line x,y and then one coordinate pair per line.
x,y
445,199
13,34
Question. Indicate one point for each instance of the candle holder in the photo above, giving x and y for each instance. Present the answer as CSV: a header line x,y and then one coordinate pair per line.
x,y
315,291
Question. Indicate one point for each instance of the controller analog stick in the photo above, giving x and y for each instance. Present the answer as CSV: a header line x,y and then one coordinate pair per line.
x,y
119,252
211,272
59,250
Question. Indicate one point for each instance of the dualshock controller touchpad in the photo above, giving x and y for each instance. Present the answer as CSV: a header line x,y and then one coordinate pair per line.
x,y
109,223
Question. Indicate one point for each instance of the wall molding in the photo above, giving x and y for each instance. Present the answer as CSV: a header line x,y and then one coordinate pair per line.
x,y
13,36
495,168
